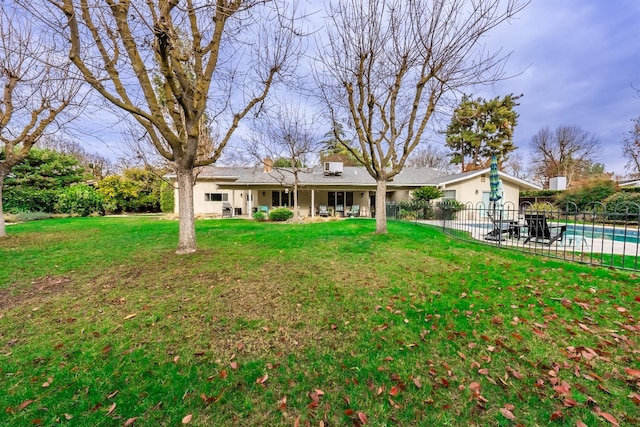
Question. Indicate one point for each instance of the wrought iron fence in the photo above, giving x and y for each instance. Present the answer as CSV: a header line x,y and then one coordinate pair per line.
x,y
597,235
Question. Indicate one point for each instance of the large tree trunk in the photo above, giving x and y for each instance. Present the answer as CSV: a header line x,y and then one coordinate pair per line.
x,y
381,208
3,230
187,234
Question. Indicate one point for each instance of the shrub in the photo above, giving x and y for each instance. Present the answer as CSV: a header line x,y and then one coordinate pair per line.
x,y
80,200
167,199
259,216
31,216
29,199
540,207
450,207
280,214
623,205
589,193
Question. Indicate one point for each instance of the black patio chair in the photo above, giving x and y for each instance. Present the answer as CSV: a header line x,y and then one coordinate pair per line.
x,y
540,231
502,226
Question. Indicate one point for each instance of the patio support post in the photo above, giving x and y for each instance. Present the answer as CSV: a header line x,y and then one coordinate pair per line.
x,y
313,203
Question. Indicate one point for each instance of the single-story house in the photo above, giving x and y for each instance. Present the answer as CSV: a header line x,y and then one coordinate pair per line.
x,y
338,187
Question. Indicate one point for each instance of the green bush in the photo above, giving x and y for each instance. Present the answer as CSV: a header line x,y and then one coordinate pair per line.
x,y
623,205
450,207
136,190
80,199
280,214
167,199
587,194
259,216
18,199
540,193
541,207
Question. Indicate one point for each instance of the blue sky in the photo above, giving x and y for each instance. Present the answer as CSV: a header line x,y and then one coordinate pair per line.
x,y
575,61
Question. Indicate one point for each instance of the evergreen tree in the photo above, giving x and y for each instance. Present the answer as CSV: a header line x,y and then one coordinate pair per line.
x,y
480,129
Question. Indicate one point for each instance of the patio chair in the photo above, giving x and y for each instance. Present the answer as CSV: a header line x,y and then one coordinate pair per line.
x,y
354,212
340,210
322,210
540,231
227,211
502,226
264,209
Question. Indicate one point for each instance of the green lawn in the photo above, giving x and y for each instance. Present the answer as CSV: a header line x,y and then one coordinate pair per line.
x,y
307,324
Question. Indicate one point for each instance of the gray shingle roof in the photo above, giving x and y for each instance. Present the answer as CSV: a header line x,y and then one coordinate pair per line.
x,y
352,176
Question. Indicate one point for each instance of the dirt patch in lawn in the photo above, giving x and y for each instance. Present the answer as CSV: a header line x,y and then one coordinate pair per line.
x,y
40,289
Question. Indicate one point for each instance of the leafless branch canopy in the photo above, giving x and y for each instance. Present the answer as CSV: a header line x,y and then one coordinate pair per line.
x,y
562,152
631,149
388,64
166,61
37,88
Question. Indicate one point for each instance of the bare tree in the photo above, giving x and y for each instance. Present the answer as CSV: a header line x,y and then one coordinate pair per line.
x,y
566,151
99,166
431,157
288,135
631,149
515,165
389,64
37,88
224,55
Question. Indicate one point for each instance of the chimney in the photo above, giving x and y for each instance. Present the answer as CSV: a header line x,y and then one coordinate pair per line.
x,y
268,165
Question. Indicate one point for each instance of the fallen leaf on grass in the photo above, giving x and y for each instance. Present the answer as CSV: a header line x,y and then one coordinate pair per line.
x,y
556,415
187,419
474,386
282,403
394,391
633,372
130,421
130,316
234,365
417,383
580,424
263,379
507,414
609,418
25,404
362,417
111,408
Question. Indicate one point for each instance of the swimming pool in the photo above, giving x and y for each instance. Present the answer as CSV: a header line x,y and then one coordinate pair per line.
x,y
594,231
618,234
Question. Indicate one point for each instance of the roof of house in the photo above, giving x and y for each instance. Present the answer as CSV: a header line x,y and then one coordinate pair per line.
x,y
629,183
352,176
452,179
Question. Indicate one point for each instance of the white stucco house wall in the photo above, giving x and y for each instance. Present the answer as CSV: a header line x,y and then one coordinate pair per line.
x,y
245,189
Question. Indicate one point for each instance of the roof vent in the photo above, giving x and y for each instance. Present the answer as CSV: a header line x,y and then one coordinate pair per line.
x,y
333,168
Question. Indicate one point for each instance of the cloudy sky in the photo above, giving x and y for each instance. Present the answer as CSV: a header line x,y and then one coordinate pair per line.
x,y
577,63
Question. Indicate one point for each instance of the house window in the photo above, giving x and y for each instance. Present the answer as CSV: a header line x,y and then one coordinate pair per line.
x,y
216,197
282,198
344,198
449,194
